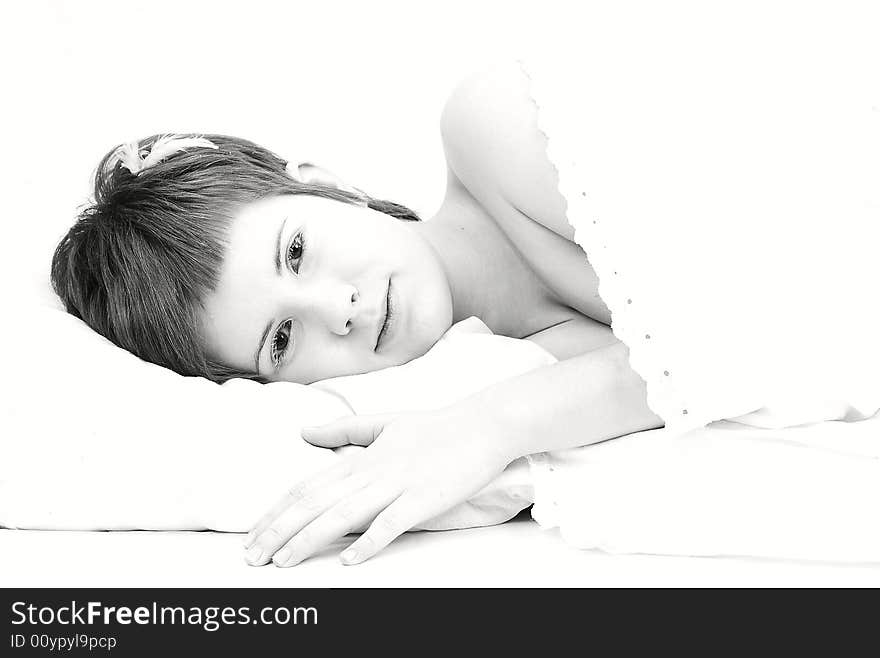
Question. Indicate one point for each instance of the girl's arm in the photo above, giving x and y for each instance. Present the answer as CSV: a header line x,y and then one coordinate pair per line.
x,y
586,399
419,465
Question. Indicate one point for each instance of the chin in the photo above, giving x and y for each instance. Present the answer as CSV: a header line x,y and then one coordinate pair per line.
x,y
421,343
415,346
432,334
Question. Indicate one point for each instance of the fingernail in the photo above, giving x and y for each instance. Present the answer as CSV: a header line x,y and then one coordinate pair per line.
x,y
254,556
282,557
251,536
349,556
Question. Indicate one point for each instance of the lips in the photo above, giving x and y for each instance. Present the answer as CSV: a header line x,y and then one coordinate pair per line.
x,y
387,319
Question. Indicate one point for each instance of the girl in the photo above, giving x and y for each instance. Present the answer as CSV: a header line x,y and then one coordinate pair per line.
x,y
210,256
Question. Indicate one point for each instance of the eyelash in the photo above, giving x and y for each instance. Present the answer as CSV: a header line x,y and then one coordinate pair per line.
x,y
278,349
298,242
283,333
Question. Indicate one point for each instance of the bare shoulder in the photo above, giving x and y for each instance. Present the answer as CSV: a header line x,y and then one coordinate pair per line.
x,y
494,147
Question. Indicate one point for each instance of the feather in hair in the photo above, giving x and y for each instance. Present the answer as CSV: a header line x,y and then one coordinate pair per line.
x,y
168,145
128,155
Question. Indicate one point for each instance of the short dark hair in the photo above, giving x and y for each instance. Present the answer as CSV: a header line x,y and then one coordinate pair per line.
x,y
142,256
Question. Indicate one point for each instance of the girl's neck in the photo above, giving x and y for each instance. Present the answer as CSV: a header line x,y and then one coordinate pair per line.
x,y
487,276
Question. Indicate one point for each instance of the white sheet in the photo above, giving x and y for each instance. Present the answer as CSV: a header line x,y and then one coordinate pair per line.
x,y
808,492
517,553
723,182
722,173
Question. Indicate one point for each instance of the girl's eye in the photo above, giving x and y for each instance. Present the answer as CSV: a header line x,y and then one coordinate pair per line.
x,y
280,343
295,251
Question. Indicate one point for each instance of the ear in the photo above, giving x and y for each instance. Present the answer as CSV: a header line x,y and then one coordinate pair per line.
x,y
307,172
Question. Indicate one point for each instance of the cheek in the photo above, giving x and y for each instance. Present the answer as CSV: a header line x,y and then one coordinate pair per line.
x,y
325,356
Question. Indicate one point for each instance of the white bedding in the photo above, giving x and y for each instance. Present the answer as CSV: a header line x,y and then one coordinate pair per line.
x,y
807,492
131,446
728,489
728,198
517,553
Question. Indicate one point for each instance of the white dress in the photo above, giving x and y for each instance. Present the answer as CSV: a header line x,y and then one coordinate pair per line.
x,y
724,181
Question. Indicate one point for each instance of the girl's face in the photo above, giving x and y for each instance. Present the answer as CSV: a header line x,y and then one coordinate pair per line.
x,y
313,288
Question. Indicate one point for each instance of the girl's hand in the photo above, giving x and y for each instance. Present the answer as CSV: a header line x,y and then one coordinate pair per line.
x,y
416,467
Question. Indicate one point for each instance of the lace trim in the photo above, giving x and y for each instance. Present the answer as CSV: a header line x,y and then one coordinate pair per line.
x,y
546,492
647,355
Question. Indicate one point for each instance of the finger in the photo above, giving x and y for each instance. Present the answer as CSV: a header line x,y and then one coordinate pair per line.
x,y
352,430
393,521
345,517
297,516
298,491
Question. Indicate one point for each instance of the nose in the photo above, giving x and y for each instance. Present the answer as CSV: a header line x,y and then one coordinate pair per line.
x,y
333,303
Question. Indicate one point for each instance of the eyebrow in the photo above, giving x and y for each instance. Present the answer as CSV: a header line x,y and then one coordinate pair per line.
x,y
268,327
260,347
278,247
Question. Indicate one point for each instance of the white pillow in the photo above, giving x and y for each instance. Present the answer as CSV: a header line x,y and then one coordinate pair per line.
x,y
95,438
